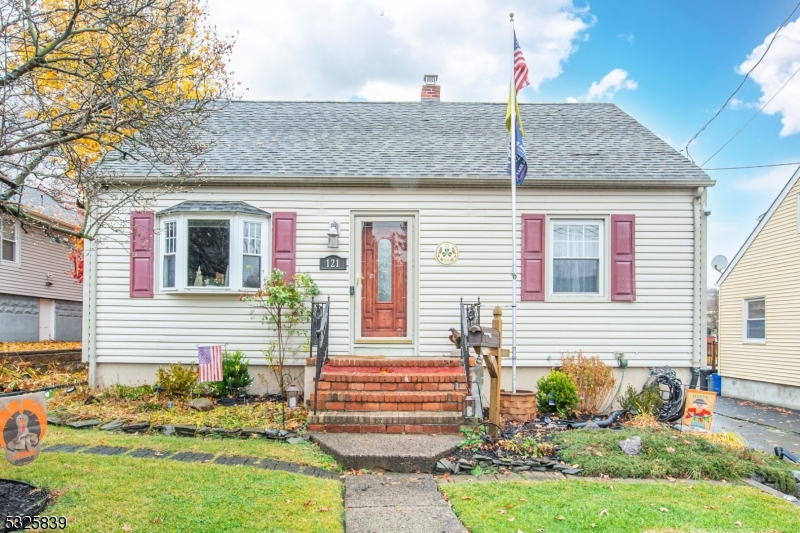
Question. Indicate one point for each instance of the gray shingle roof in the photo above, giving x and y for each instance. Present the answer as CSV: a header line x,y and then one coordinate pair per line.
x,y
428,140
214,207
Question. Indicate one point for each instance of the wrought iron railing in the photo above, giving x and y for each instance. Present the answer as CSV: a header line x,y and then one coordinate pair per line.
x,y
320,334
470,316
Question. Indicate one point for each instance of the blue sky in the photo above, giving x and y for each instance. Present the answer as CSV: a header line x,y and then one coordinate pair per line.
x,y
669,64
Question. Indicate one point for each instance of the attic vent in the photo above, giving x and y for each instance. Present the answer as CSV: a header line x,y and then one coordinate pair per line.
x,y
431,79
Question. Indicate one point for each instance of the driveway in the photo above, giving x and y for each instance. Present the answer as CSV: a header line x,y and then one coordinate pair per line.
x,y
764,426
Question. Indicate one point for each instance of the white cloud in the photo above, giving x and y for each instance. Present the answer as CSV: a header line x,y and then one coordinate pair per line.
x,y
782,60
611,84
741,104
340,49
768,183
626,37
572,100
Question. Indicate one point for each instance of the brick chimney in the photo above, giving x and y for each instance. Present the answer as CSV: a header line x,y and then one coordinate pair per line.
x,y
430,91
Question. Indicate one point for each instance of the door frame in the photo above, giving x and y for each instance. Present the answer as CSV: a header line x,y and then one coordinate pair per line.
x,y
391,346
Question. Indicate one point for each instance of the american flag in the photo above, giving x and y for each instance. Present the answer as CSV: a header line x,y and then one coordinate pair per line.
x,y
520,67
209,362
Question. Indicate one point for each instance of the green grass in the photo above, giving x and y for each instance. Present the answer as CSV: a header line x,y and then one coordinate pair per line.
x,y
103,494
667,453
631,508
304,454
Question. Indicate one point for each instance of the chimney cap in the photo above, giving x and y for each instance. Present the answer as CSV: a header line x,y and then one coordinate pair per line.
x,y
431,79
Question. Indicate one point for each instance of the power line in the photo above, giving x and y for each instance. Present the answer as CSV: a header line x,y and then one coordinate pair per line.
x,y
742,83
751,118
754,166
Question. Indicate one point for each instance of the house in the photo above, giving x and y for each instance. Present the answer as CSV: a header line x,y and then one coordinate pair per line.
x,y
40,299
759,295
611,236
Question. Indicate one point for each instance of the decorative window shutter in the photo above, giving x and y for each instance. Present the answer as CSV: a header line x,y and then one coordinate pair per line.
x,y
623,261
533,261
284,243
142,254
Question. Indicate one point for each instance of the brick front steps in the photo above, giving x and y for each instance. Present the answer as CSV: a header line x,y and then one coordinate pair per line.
x,y
389,395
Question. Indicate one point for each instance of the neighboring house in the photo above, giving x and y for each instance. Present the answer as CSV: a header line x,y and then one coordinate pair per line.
x,y
39,297
611,237
759,306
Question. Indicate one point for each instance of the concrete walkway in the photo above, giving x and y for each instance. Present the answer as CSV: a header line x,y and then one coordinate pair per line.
x,y
394,503
764,426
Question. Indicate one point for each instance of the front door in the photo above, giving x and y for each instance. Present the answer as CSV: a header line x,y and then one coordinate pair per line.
x,y
384,279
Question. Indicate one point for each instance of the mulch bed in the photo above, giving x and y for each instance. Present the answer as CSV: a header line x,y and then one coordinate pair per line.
x,y
20,499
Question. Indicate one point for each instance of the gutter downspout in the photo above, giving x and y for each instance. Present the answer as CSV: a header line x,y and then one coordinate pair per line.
x,y
90,322
700,277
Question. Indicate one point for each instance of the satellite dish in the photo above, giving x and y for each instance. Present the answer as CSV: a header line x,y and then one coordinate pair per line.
x,y
719,263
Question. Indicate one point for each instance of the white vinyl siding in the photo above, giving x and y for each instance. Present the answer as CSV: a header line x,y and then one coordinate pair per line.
x,y
654,330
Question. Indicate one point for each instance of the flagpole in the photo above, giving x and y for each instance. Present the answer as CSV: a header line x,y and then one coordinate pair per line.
x,y
513,219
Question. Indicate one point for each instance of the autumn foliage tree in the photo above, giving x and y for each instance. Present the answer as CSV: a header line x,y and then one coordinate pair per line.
x,y
86,79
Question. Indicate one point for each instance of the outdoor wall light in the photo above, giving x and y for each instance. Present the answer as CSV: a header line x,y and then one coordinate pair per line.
x,y
469,407
292,397
333,235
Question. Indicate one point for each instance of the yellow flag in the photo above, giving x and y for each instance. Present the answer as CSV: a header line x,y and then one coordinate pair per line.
x,y
508,112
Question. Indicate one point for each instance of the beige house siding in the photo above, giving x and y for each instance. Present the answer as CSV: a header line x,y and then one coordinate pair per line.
x,y
769,269
656,329
40,260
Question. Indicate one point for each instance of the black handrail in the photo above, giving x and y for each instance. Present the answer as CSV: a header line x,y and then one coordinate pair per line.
x,y
470,316
320,333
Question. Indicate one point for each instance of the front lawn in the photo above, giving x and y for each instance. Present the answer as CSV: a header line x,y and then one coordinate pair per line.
x,y
611,507
666,453
106,494
304,453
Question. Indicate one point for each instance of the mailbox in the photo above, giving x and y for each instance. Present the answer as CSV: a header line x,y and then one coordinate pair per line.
x,y
484,337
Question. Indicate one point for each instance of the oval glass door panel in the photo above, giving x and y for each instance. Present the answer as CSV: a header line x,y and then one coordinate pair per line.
x,y
384,270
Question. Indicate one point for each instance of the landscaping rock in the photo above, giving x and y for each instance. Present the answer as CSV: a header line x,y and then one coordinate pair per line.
x,y
84,424
271,433
795,473
53,421
295,440
248,432
631,446
591,426
204,430
227,432
561,468
114,425
169,429
572,471
444,466
186,431
136,427
201,404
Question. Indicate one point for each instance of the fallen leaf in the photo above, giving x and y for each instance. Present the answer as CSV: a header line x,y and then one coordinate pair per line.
x,y
467,497
709,507
663,509
604,512
309,502
738,523
502,511
611,487
729,497
559,517
521,500
127,527
511,519
324,509
670,449
670,479
594,525
157,521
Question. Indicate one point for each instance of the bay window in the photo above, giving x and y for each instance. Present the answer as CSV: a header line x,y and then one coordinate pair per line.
x,y
207,251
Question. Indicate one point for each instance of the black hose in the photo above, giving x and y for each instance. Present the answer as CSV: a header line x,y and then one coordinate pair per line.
x,y
783,454
674,400
45,389
603,423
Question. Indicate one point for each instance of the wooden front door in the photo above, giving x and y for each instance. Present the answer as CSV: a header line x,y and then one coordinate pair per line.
x,y
384,275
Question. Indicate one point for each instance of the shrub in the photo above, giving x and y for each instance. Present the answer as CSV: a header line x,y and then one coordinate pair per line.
x,y
559,388
593,379
235,375
177,380
647,402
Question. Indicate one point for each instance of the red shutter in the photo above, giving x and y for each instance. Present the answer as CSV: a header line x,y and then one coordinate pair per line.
x,y
623,263
142,254
284,243
533,231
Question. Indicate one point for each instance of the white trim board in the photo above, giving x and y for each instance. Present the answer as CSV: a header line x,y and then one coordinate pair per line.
x,y
761,223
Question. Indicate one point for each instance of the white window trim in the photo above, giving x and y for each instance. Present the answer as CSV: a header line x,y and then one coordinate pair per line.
x,y
17,245
235,252
603,273
745,339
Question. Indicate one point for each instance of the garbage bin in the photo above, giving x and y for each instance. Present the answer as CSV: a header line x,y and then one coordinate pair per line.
x,y
716,381
705,379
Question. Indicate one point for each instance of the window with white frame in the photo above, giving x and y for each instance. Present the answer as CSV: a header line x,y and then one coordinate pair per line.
x,y
9,235
755,319
577,257
205,252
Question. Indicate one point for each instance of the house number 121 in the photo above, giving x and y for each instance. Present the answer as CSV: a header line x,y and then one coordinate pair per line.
x,y
333,262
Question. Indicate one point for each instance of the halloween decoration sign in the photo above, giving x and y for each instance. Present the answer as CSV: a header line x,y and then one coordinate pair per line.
x,y
23,422
699,410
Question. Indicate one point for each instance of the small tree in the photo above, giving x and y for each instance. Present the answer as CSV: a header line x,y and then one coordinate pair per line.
x,y
284,310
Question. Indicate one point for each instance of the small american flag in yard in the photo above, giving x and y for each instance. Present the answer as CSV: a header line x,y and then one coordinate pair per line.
x,y
209,362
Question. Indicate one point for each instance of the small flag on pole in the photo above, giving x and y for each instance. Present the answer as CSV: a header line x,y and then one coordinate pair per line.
x,y
521,167
209,362
520,67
